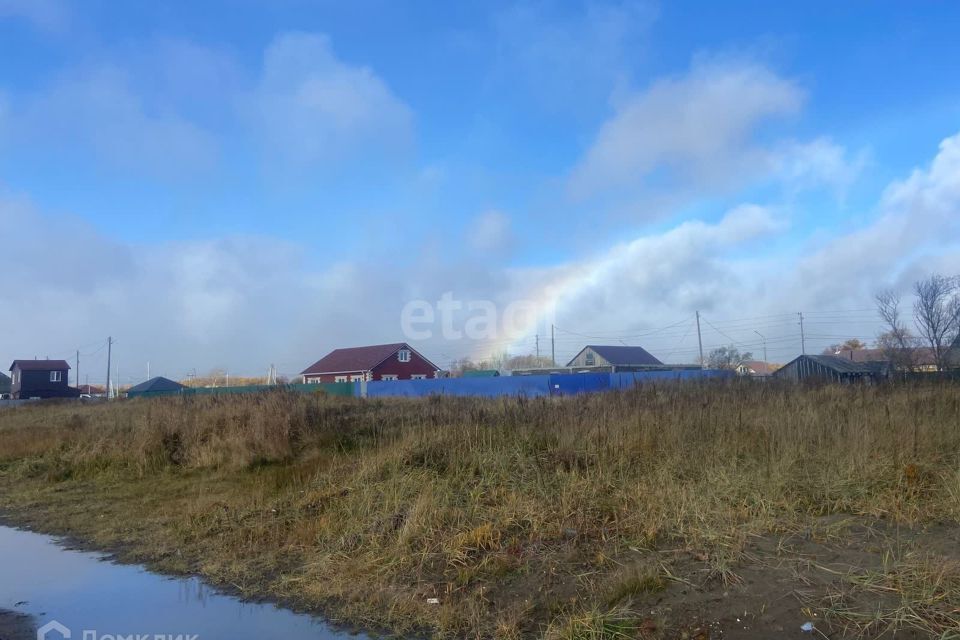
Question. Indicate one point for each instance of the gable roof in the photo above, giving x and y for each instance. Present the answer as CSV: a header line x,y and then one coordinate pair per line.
x,y
156,384
357,359
620,355
40,365
841,365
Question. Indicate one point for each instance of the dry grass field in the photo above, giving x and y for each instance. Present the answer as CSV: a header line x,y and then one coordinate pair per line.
x,y
693,511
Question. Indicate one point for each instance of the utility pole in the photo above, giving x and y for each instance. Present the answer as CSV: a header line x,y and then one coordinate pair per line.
x,y
537,338
553,348
148,369
700,342
78,369
764,338
803,340
109,349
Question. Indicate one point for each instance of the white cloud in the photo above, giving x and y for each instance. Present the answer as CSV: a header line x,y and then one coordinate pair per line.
x,y
726,270
236,302
491,232
819,163
918,220
314,108
695,128
680,269
154,107
242,303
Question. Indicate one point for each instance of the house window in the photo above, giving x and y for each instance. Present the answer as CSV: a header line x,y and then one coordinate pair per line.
x,y
388,377
55,376
418,376
340,379
356,378
590,359
403,355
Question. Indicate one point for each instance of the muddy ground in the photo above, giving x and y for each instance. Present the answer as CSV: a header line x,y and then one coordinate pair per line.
x,y
16,626
849,576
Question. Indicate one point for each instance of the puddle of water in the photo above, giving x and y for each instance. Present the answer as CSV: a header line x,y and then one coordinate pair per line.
x,y
83,592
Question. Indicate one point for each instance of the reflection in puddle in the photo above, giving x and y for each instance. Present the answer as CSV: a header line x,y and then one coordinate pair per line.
x,y
82,592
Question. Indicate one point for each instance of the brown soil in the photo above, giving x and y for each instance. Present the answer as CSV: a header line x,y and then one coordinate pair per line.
x,y
784,581
16,626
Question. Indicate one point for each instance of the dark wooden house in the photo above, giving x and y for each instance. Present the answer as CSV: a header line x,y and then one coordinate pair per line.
x,y
40,379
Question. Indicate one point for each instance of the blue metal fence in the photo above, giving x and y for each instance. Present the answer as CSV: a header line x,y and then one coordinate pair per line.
x,y
633,378
529,386
558,384
568,384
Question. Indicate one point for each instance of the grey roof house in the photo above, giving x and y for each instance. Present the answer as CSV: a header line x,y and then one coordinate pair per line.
x,y
618,357
158,386
832,369
4,383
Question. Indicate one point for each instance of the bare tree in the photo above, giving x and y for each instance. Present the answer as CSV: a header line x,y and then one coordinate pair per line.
x,y
937,314
853,344
457,367
897,343
529,361
727,357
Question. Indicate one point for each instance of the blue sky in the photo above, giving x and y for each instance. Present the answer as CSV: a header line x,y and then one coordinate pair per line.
x,y
236,183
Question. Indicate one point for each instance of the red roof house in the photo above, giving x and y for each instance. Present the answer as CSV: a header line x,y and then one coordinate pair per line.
x,y
397,361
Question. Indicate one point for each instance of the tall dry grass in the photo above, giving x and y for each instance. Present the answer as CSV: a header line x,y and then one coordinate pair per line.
x,y
512,512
